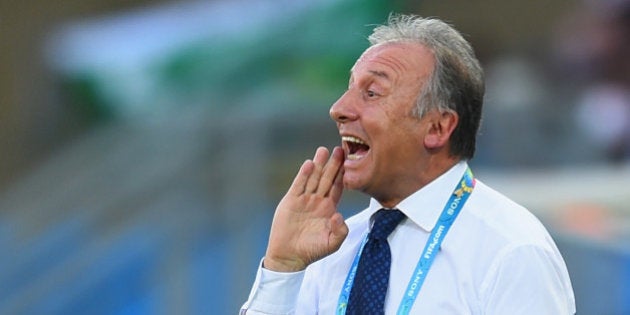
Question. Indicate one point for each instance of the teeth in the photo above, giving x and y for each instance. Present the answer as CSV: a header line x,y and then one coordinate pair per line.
x,y
353,156
352,139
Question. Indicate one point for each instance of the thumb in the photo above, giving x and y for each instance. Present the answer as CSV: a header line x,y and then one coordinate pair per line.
x,y
338,231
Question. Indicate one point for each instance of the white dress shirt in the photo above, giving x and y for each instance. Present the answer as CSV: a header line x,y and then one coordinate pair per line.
x,y
497,258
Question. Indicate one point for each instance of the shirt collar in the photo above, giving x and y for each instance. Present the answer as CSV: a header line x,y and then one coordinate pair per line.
x,y
425,205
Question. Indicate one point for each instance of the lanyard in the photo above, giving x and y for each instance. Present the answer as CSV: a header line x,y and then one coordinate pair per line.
x,y
447,217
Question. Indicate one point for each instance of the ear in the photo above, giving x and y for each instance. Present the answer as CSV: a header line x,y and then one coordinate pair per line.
x,y
441,126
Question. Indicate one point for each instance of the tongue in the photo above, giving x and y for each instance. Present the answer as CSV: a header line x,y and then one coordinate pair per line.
x,y
361,149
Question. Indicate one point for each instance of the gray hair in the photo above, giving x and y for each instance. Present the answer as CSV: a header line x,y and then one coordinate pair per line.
x,y
456,83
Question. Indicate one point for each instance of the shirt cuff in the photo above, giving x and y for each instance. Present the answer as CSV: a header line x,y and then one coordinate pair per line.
x,y
274,292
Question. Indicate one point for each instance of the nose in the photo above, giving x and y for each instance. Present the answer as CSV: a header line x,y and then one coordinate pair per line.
x,y
343,110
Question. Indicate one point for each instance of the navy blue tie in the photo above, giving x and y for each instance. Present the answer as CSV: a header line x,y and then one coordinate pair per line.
x,y
370,283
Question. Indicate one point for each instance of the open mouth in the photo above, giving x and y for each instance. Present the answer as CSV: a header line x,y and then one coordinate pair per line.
x,y
357,148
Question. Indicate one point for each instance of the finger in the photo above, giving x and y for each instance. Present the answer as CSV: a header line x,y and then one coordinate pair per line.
x,y
331,169
337,188
299,182
319,160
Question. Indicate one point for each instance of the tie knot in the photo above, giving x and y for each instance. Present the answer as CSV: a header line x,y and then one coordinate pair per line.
x,y
385,221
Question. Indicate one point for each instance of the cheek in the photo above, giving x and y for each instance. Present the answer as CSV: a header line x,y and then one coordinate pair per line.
x,y
392,128
405,138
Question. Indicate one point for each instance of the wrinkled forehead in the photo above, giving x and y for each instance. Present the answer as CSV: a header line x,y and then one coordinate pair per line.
x,y
399,58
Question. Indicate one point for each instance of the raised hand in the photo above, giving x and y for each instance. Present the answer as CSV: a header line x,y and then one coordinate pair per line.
x,y
307,226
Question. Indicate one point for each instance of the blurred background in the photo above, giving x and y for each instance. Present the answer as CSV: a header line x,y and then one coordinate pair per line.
x,y
144,144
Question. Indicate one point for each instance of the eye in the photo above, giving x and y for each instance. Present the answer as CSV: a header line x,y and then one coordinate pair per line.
x,y
370,93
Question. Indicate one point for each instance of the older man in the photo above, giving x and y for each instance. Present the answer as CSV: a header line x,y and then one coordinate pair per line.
x,y
433,240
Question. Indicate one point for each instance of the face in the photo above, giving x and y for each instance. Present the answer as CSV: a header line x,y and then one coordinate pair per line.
x,y
382,140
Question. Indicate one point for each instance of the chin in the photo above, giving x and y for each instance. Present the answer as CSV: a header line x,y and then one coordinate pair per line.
x,y
353,182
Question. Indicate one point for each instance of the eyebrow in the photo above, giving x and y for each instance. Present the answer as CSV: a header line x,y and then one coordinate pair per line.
x,y
381,74
376,73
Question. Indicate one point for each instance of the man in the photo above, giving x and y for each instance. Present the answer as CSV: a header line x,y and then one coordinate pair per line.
x,y
433,240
